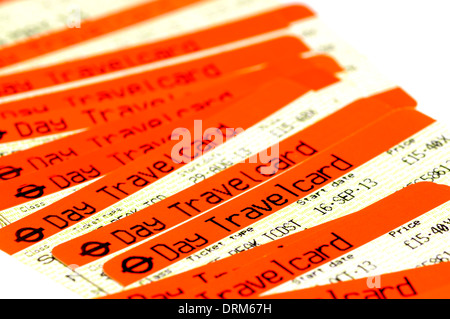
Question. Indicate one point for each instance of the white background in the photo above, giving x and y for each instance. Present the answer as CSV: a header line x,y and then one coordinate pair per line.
x,y
407,40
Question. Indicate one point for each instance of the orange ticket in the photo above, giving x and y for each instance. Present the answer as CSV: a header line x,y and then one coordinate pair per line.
x,y
153,52
196,282
304,179
89,29
415,283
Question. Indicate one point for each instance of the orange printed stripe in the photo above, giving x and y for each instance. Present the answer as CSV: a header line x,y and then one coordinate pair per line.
x,y
90,29
278,193
149,53
193,283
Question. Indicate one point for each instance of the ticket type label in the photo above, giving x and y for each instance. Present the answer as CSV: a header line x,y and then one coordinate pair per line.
x,y
88,29
415,283
200,15
191,284
149,53
284,123
224,186
74,119
306,179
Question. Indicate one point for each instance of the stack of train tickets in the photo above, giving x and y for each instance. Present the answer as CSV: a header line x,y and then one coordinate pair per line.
x,y
213,149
